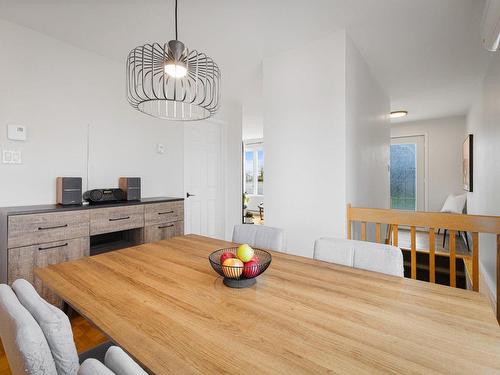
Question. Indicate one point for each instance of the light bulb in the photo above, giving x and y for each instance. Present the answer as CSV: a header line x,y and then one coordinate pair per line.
x,y
175,70
398,114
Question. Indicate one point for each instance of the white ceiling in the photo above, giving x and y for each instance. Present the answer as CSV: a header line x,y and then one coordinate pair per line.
x,y
426,53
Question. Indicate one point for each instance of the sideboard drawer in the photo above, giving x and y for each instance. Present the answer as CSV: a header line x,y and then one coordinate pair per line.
x,y
158,232
167,212
25,230
114,219
23,260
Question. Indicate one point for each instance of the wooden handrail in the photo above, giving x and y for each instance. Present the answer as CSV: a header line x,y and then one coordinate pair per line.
x,y
458,222
432,221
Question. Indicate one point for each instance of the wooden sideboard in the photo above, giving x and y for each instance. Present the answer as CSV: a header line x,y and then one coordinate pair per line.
x,y
37,236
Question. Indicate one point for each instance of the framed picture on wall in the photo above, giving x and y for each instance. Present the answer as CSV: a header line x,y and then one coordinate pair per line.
x,y
467,159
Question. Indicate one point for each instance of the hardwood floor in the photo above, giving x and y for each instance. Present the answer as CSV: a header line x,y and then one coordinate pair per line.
x,y
85,336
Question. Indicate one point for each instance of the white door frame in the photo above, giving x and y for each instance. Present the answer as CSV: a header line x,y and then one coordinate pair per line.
x,y
426,162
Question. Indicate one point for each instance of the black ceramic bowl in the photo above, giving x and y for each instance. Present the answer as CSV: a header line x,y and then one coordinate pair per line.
x,y
240,277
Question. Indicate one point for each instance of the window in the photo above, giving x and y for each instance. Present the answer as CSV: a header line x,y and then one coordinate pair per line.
x,y
254,168
403,176
408,173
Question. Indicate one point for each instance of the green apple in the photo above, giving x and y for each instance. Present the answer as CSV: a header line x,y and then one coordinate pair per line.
x,y
244,252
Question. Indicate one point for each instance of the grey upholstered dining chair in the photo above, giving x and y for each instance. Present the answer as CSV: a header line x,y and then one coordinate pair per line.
x,y
260,236
369,256
38,339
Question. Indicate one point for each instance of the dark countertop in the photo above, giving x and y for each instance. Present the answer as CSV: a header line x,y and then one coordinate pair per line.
x,y
45,208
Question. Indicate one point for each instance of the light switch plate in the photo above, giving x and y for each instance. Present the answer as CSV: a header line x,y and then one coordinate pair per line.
x,y
16,157
11,157
16,132
7,157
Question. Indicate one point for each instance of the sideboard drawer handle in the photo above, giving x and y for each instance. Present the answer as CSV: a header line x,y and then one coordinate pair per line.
x,y
52,247
54,227
120,218
165,226
165,213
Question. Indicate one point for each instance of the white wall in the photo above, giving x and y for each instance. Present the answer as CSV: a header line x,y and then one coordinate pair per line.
x,y
232,114
368,134
483,121
57,90
445,137
326,134
304,131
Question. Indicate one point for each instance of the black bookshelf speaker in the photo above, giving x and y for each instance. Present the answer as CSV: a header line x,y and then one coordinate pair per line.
x,y
132,188
69,190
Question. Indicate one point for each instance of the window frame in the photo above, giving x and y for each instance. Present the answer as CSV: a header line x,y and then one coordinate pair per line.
x,y
254,145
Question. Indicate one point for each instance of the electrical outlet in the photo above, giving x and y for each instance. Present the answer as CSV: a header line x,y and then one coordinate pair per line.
x,y
160,148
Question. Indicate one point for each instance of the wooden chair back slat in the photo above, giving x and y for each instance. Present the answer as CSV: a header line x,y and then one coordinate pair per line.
x,y
363,231
475,261
432,255
453,271
413,236
395,240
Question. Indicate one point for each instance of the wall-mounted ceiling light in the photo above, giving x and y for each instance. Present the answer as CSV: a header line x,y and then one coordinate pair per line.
x,y
398,114
170,81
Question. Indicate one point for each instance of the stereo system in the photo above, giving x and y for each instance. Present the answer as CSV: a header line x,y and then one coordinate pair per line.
x,y
69,191
131,186
104,195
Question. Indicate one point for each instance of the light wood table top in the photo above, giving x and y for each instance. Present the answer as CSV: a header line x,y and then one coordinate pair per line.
x,y
164,305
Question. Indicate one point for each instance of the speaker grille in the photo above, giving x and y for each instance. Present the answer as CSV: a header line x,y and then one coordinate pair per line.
x,y
118,194
95,195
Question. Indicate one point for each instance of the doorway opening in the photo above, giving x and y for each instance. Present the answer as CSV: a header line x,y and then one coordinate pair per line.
x,y
253,182
407,173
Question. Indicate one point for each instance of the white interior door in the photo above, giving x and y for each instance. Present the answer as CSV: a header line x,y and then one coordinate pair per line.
x,y
408,173
203,179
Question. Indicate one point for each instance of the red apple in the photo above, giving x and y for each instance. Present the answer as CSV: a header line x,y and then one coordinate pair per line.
x,y
226,255
250,269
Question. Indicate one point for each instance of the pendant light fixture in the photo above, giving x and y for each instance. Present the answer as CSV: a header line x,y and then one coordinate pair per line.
x,y
172,82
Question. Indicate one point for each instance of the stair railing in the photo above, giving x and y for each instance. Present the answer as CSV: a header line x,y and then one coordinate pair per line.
x,y
432,221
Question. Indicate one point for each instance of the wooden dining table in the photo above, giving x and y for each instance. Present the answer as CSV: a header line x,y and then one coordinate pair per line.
x,y
165,306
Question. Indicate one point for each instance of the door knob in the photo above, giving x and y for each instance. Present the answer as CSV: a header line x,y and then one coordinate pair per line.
x,y
190,195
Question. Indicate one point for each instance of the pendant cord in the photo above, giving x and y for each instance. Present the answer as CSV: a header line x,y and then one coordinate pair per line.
x,y
176,37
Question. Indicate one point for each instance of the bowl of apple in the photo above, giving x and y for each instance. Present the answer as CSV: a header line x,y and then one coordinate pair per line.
x,y
240,265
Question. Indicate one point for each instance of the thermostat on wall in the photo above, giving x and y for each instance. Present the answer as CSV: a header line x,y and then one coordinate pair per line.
x,y
16,132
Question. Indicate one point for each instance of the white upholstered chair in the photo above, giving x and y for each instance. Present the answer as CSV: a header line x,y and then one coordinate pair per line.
x,y
25,345
360,254
38,338
260,236
455,204
92,366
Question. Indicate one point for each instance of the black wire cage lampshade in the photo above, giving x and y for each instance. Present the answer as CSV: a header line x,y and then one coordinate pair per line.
x,y
171,82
